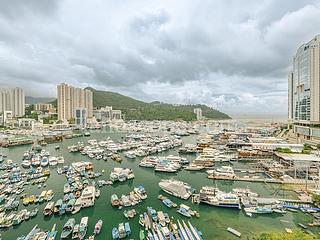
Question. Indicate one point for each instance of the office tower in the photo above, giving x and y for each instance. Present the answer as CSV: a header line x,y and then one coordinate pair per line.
x,y
198,112
304,92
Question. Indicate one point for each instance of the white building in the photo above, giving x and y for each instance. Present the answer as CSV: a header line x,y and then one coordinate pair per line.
x,y
198,112
304,92
107,114
81,117
13,100
71,98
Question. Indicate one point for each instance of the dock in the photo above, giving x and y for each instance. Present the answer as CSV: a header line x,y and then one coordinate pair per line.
x,y
246,179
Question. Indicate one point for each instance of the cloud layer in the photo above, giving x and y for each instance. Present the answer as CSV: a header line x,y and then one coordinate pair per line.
x,y
232,55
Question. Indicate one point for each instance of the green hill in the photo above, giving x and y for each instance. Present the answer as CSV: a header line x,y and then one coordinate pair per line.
x,y
139,110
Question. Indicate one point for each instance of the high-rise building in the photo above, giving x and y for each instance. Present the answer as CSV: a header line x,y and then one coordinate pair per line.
x,y
71,98
13,100
304,92
198,112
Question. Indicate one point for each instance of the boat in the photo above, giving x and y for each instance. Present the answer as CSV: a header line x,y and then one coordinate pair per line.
x,y
127,229
141,235
176,188
122,231
115,200
44,162
259,210
115,233
34,212
77,206
83,227
233,231
97,227
26,163
167,202
52,234
68,228
194,167
53,161
88,196
213,196
49,208
75,231
57,205
184,210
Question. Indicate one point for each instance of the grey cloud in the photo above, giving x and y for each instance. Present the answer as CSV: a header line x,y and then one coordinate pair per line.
x,y
230,54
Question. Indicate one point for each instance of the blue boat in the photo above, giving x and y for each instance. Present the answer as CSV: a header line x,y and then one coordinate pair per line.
x,y
62,209
152,213
115,233
184,212
127,228
167,202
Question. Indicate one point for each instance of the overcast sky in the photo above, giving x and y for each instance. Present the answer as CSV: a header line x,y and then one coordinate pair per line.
x,y
232,55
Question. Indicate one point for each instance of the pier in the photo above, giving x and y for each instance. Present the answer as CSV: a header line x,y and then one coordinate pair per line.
x,y
246,179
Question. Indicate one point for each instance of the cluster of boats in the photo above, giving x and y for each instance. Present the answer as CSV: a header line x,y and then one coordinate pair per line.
x,y
15,218
159,226
44,196
163,164
132,146
133,198
123,230
121,174
36,157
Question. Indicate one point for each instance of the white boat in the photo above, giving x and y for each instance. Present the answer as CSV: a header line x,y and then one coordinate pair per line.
x,y
26,163
88,196
213,196
53,161
176,188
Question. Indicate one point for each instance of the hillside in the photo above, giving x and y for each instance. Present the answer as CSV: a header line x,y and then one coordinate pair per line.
x,y
139,110
34,100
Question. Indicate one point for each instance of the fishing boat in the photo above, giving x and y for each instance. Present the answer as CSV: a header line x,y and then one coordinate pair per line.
x,y
75,231
49,208
141,234
57,205
97,227
34,212
83,227
115,233
52,234
44,162
26,163
127,229
68,228
77,206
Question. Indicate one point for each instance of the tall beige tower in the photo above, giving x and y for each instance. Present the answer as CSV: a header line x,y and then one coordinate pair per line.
x,y
13,99
71,98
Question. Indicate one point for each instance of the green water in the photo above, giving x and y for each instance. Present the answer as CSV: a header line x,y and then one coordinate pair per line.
x,y
212,222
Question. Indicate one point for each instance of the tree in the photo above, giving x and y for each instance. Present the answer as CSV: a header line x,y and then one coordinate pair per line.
x,y
316,199
296,234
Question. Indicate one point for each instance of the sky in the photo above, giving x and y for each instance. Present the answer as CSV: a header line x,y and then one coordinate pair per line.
x,y
233,55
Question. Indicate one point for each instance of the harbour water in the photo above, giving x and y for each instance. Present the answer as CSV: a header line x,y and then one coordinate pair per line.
x,y
213,221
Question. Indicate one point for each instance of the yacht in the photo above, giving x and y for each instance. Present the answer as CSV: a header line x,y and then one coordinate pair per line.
x,y
176,188
88,196
213,196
